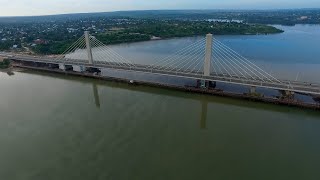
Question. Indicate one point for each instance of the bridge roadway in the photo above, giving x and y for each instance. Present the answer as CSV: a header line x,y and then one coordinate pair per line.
x,y
285,85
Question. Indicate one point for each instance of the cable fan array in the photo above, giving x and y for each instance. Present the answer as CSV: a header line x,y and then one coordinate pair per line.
x,y
188,60
225,62
101,54
228,63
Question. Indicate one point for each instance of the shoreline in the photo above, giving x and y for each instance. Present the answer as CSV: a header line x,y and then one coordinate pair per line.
x,y
161,39
193,36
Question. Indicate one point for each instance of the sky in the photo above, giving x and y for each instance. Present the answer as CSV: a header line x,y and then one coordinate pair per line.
x,y
46,7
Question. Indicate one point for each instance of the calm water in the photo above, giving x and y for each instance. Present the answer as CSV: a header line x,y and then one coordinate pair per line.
x,y
294,54
61,127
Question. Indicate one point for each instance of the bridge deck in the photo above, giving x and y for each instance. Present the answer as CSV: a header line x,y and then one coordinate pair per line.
x,y
294,86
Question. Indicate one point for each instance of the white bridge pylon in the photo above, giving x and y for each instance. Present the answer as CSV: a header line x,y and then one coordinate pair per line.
x,y
89,50
207,58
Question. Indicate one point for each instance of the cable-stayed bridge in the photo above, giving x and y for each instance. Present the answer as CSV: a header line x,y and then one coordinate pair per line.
x,y
208,60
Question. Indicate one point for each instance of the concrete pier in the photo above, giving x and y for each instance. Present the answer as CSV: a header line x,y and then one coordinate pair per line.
x,y
62,66
212,84
253,90
287,94
206,84
54,66
78,68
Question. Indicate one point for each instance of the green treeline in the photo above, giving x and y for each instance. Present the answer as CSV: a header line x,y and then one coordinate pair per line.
x,y
163,29
192,28
4,64
57,47
122,37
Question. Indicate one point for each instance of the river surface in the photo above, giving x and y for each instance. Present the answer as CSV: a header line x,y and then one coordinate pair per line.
x,y
62,127
292,55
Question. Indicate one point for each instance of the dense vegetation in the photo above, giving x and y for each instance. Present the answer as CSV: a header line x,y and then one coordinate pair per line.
x,y
145,30
5,45
192,28
56,47
121,37
53,34
4,64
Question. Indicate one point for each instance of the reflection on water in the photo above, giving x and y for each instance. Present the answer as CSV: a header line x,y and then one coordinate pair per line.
x,y
204,109
203,102
66,127
96,94
10,73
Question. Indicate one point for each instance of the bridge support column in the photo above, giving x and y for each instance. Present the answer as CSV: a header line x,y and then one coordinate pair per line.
x,y
53,66
88,45
253,90
287,94
62,66
78,68
206,84
212,84
207,59
36,64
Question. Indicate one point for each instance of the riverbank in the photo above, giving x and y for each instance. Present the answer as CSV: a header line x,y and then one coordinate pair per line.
x,y
189,89
146,30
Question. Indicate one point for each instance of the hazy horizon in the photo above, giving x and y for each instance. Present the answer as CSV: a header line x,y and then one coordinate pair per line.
x,y
40,8
226,9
